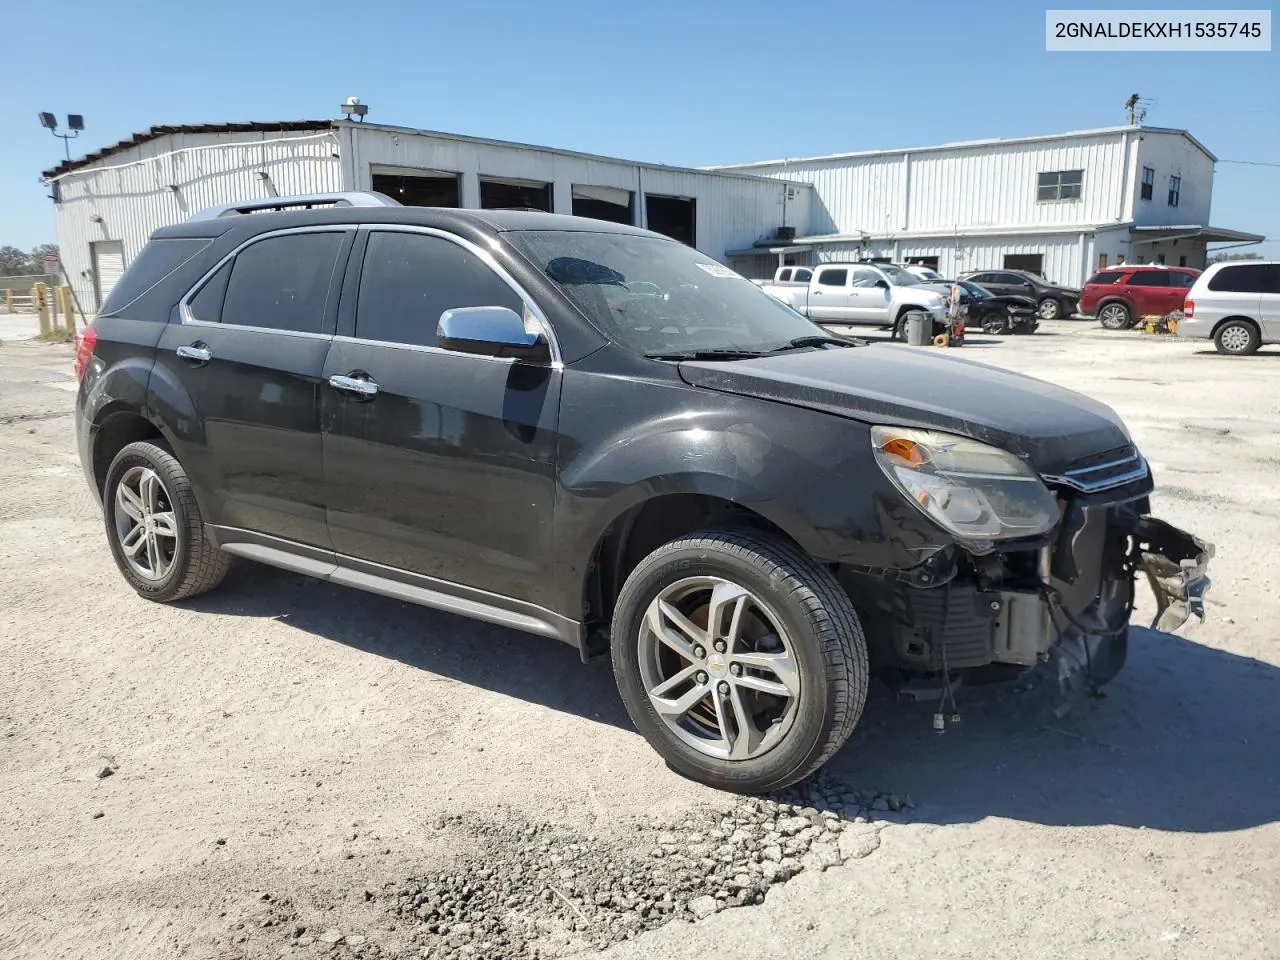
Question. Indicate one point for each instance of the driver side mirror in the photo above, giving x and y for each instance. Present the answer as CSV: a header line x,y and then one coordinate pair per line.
x,y
491,332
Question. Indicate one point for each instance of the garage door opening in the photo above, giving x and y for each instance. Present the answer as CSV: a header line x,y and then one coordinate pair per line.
x,y
604,203
1030,262
500,194
425,188
673,216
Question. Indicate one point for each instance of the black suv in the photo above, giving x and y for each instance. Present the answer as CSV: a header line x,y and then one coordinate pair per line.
x,y
595,433
1052,301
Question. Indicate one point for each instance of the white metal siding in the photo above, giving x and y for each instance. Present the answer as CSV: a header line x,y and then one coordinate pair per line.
x,y
134,198
733,211
988,187
1172,155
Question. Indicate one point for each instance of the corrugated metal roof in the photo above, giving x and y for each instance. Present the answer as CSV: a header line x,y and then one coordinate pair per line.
x,y
966,144
160,130
303,125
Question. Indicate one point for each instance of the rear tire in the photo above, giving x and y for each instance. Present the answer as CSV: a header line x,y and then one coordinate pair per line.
x,y
739,735
154,526
1115,316
1237,338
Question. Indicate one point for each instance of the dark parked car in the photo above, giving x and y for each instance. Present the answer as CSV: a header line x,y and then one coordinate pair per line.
x,y
594,433
1052,301
990,312
1121,295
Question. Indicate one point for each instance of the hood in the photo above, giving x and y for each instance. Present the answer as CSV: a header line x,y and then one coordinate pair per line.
x,y
1046,425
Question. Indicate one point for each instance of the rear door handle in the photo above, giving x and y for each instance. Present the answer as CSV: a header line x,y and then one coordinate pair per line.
x,y
195,352
361,386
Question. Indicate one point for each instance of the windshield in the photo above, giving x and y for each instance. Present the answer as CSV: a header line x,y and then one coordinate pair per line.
x,y
659,297
899,277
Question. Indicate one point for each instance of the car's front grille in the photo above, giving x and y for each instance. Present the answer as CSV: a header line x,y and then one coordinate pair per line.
x,y
1102,471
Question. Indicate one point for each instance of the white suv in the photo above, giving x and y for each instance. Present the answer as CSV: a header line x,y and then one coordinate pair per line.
x,y
1236,304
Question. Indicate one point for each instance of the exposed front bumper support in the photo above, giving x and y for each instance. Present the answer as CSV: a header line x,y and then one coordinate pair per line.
x,y
1176,565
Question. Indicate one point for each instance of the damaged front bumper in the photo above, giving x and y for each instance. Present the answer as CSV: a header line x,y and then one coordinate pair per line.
x,y
1061,609
1088,654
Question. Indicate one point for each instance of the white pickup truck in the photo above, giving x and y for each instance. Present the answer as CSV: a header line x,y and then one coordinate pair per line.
x,y
878,294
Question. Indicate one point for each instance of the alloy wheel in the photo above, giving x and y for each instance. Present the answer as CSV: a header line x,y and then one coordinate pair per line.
x,y
1235,339
1114,316
145,523
1049,309
719,668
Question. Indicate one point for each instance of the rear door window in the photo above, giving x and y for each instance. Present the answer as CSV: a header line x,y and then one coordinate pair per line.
x,y
1149,278
833,278
410,279
1247,278
283,282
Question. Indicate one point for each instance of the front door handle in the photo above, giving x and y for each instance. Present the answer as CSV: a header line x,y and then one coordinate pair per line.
x,y
195,352
361,386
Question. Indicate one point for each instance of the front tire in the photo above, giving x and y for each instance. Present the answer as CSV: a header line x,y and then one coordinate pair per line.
x,y
740,659
154,526
1115,316
1237,338
1049,309
996,323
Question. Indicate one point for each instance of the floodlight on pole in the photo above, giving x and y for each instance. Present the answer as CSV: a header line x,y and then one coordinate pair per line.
x,y
75,123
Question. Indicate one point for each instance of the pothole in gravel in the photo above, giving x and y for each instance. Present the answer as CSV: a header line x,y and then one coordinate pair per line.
x,y
534,890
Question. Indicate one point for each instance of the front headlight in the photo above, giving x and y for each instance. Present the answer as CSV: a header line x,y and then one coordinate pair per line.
x,y
975,491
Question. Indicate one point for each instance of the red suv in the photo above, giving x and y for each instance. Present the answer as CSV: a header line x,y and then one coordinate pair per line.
x,y
1121,295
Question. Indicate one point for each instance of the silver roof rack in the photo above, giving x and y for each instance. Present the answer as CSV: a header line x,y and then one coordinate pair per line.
x,y
305,202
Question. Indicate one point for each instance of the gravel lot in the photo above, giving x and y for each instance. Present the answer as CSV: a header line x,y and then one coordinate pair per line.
x,y
287,768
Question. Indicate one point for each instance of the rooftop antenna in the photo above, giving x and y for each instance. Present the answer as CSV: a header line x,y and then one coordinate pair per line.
x,y
1136,108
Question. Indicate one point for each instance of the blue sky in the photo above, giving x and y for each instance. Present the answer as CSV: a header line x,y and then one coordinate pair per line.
x,y
687,83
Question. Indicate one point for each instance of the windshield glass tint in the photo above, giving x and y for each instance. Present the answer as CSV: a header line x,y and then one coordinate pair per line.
x,y
657,296
899,277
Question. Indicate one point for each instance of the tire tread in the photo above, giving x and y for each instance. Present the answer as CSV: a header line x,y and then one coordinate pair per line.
x,y
829,609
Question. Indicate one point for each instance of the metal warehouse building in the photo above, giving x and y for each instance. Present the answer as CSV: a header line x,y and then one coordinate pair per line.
x,y
109,202
1062,205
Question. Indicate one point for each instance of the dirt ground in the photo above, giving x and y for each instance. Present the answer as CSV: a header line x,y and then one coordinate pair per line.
x,y
296,769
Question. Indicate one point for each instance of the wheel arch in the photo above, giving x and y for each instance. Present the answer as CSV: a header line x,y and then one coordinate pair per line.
x,y
644,523
1240,318
115,427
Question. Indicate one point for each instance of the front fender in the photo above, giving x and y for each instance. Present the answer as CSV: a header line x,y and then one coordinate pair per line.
x,y
809,473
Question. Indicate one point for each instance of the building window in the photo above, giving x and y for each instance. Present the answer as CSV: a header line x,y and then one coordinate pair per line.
x,y
1159,258
1102,261
1148,182
1182,261
1060,185
1175,188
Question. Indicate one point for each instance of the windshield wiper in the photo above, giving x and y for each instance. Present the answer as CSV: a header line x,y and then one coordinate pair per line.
x,y
709,354
818,341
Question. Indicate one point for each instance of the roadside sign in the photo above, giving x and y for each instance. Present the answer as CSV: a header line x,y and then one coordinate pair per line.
x,y
51,265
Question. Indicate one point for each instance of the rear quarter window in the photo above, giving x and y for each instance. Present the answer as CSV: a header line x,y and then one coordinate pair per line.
x,y
1247,278
158,259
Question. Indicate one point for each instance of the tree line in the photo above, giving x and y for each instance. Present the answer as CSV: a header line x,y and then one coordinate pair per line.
x,y
17,263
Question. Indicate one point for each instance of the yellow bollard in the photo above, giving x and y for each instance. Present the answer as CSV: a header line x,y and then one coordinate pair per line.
x,y
39,300
8,301
67,308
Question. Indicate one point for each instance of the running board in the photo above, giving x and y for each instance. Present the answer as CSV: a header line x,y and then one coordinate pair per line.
x,y
427,593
